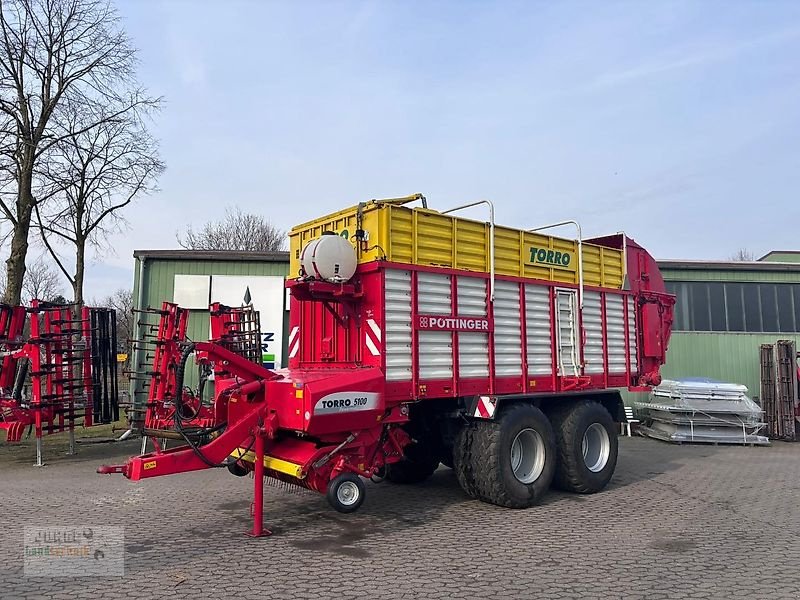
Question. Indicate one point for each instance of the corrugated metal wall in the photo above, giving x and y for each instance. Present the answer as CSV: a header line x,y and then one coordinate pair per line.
x,y
740,275
732,357
159,278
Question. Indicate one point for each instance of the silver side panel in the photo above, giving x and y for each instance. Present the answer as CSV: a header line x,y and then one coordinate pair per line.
x,y
397,324
473,348
507,330
433,294
593,326
537,317
434,297
471,296
435,355
615,328
632,334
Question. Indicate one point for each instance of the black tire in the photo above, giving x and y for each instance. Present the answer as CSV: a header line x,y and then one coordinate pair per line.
x,y
418,464
462,460
238,469
346,492
570,424
489,445
446,458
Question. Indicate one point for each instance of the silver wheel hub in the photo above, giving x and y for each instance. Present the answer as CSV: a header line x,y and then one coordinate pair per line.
x,y
527,456
348,493
596,447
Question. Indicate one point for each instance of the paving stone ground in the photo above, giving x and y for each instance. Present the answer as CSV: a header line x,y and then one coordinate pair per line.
x,y
676,522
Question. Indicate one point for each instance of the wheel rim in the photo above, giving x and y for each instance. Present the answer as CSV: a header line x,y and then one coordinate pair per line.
x,y
348,493
527,456
596,447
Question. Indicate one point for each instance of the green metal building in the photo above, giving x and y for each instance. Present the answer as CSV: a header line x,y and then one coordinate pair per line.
x,y
726,310
194,279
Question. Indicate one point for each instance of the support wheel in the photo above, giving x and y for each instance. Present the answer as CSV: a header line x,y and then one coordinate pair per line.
x,y
586,437
419,464
346,492
238,469
509,461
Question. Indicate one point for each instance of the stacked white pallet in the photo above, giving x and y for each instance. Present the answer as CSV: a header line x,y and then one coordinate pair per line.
x,y
701,410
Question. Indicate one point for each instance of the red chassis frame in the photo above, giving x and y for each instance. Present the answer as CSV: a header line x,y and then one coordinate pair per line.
x,y
251,407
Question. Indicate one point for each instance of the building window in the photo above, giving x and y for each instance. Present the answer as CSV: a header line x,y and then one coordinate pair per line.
x,y
736,307
734,302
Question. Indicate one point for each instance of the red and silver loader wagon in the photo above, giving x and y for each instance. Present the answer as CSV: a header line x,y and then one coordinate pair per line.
x,y
418,337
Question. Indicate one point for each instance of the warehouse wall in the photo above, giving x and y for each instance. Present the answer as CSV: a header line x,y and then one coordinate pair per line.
x,y
158,286
779,256
724,356
160,278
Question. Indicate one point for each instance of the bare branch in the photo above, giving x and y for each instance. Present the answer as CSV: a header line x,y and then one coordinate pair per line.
x,y
241,231
66,69
92,174
743,255
41,282
53,254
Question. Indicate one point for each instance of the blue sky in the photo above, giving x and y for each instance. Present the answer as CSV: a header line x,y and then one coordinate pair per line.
x,y
678,122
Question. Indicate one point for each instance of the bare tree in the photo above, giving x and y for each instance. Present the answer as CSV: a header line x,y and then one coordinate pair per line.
x,y
122,303
91,176
743,255
238,230
42,282
53,52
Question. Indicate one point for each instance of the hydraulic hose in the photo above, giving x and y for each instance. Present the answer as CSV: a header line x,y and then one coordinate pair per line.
x,y
19,380
179,376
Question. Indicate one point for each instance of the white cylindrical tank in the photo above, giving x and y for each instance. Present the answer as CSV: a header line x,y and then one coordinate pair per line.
x,y
329,258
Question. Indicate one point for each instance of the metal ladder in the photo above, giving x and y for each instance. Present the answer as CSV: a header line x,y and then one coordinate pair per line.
x,y
567,333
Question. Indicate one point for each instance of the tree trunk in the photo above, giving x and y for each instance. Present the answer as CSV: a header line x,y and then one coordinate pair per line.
x,y
80,269
15,265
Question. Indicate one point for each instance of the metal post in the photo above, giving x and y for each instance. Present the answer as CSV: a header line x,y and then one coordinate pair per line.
x,y
491,237
140,333
144,445
258,492
71,442
38,462
125,435
580,253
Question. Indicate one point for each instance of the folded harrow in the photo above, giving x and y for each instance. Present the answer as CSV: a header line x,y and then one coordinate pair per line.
x,y
57,370
160,348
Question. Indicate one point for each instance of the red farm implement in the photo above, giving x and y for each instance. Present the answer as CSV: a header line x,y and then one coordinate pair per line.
x,y
418,338
162,344
57,370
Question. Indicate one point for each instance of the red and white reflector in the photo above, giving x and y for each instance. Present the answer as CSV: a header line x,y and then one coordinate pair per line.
x,y
294,341
485,407
372,337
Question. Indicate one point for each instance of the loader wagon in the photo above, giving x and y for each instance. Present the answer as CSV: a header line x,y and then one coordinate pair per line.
x,y
419,338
